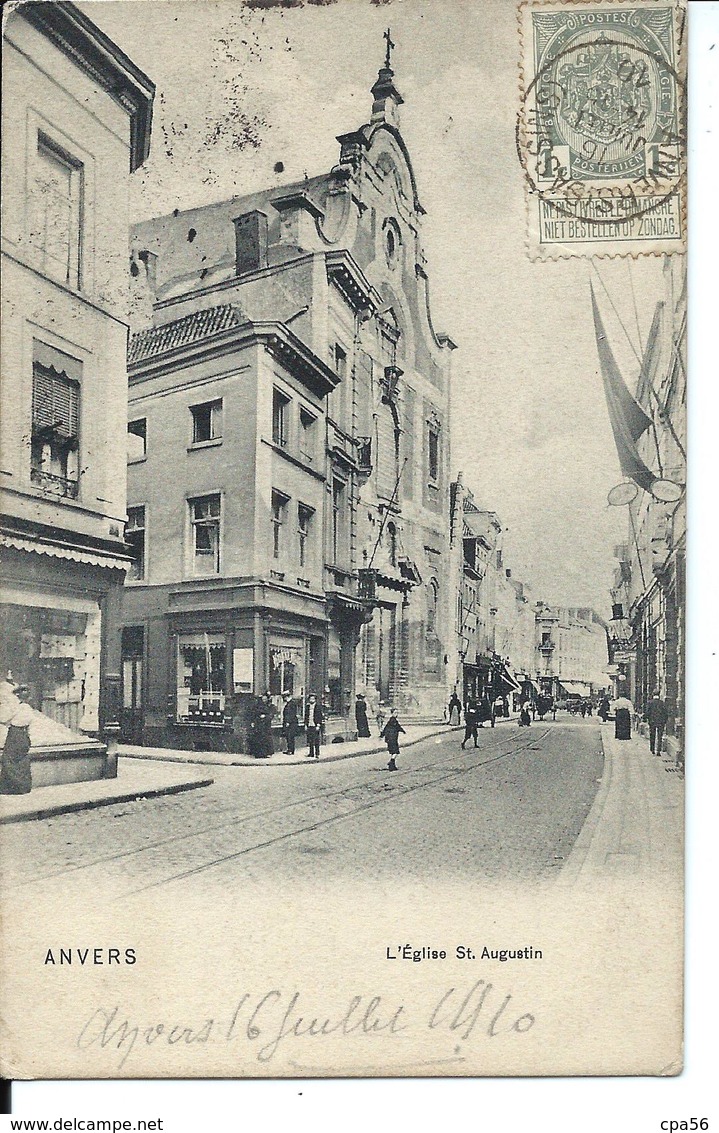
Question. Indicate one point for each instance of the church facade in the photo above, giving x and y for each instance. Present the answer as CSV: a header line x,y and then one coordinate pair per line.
x,y
289,454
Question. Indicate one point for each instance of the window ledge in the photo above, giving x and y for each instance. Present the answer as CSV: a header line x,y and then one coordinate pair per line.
x,y
137,460
212,443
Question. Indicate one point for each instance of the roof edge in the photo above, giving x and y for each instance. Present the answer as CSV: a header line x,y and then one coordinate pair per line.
x,y
100,58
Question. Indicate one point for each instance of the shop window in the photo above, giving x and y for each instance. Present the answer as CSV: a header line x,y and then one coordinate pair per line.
x,y
304,526
55,421
56,654
201,679
135,538
279,515
307,435
280,418
206,422
287,673
339,497
56,211
137,440
205,534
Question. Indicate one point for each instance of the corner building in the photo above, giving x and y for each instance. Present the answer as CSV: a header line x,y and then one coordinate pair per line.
x,y
289,454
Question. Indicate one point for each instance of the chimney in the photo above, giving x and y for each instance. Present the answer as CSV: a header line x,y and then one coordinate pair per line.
x,y
250,241
300,218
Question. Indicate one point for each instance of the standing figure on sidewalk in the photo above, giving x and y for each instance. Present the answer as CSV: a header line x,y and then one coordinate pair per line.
x,y
470,722
603,710
390,735
361,717
314,719
623,708
657,716
263,746
484,712
525,719
454,709
290,724
16,714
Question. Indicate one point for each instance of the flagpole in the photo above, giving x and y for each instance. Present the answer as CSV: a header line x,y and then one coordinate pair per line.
x,y
636,544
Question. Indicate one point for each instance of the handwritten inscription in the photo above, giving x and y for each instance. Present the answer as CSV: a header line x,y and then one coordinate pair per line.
x,y
275,1020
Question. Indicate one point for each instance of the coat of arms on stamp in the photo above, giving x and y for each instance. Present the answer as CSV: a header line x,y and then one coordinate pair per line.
x,y
601,128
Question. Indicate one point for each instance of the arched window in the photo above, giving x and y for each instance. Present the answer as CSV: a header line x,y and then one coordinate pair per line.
x,y
432,601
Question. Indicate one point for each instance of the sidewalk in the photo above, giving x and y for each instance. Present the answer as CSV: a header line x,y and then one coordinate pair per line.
x,y
329,753
636,824
134,781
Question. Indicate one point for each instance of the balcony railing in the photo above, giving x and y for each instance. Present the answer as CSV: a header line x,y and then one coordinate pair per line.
x,y
57,485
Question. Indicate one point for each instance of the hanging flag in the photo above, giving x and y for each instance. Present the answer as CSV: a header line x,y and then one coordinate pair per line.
x,y
627,418
645,384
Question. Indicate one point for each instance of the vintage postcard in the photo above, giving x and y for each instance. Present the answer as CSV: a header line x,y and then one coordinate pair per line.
x,y
343,471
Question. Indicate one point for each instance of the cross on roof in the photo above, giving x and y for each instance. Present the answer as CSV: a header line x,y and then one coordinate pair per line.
x,y
390,45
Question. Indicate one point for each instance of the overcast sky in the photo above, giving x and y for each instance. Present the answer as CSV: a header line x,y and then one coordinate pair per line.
x,y
241,88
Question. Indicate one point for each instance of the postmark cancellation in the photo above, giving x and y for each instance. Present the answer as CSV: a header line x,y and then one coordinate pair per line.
x,y
601,128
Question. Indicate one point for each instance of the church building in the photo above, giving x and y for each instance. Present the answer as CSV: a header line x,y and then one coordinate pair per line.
x,y
289,454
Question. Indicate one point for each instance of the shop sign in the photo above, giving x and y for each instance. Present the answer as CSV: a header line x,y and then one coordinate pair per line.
x,y
243,669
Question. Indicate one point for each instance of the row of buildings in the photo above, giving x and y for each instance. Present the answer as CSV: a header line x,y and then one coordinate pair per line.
x,y
648,629
291,526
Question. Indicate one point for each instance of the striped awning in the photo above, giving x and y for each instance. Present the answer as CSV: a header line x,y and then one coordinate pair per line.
x,y
58,551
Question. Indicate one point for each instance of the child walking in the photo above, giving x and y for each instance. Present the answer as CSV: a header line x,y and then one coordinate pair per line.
x,y
390,735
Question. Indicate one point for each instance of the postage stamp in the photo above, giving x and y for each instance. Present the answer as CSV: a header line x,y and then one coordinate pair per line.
x,y
601,133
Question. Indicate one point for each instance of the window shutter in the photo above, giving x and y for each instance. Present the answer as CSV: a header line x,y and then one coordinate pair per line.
x,y
55,402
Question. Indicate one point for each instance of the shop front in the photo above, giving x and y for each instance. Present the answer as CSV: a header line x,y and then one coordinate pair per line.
x,y
53,641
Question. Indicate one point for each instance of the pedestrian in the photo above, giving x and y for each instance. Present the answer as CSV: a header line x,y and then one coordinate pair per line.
x,y
290,724
485,711
260,734
16,714
390,735
590,708
603,710
525,719
623,708
361,717
583,709
470,722
454,709
553,707
314,719
657,716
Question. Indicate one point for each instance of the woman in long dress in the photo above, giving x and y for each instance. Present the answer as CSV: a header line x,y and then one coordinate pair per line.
x,y
455,708
16,775
623,708
361,717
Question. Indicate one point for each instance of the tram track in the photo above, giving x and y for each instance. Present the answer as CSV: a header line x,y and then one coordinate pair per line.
x,y
403,782
395,793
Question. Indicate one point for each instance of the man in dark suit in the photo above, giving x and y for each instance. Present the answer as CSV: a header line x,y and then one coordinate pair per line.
x,y
314,719
657,716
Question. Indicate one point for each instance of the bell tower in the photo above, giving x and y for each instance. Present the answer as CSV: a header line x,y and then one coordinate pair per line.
x,y
387,99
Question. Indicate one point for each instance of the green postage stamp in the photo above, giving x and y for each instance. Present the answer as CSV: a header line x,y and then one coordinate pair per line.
x,y
601,130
